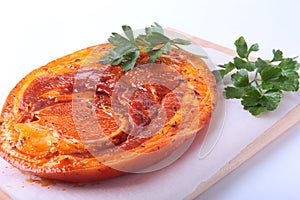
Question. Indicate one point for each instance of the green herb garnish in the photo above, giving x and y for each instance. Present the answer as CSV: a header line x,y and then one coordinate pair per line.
x,y
127,49
261,83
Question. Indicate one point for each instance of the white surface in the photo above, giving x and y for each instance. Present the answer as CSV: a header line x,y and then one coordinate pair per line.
x,y
33,33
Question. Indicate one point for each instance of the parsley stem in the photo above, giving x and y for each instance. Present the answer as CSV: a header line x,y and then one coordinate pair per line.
x,y
256,81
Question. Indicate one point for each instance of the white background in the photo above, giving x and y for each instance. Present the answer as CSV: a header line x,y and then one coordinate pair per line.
x,y
33,33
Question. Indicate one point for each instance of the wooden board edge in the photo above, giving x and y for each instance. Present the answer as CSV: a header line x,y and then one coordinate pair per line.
x,y
4,195
205,43
271,134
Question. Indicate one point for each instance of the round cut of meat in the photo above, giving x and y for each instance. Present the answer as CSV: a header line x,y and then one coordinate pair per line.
x,y
78,120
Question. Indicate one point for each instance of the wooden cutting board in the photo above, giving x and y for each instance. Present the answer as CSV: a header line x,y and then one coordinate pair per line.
x,y
265,138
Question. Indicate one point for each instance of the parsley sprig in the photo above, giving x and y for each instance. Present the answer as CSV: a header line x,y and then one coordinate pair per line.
x,y
127,49
259,84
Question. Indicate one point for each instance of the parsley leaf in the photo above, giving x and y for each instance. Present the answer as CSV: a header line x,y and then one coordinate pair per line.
x,y
234,92
128,49
242,47
240,78
259,84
